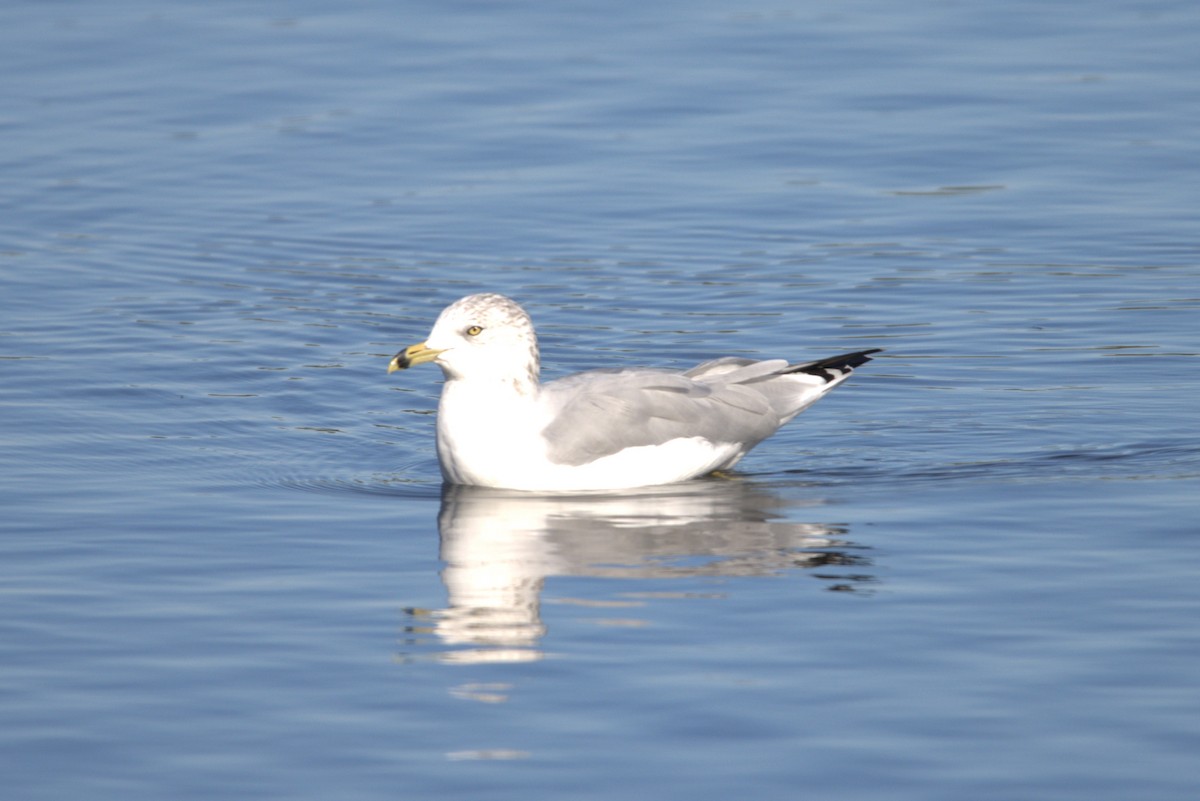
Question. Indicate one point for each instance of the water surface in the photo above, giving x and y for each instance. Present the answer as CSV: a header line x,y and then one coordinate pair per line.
x,y
228,564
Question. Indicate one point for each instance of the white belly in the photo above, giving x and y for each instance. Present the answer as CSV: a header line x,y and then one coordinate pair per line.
x,y
496,442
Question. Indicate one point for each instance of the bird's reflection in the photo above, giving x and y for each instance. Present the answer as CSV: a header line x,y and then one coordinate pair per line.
x,y
499,546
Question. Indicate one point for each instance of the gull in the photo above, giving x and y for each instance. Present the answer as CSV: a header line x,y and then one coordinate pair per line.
x,y
607,429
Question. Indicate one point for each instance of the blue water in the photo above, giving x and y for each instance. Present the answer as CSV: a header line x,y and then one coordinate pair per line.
x,y
227,564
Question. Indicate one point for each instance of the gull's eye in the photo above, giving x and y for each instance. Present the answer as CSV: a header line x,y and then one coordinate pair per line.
x,y
474,331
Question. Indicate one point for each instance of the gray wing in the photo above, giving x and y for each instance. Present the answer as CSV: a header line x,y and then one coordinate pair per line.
x,y
601,412
788,388
732,399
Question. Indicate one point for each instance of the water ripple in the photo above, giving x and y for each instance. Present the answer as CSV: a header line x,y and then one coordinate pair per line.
x,y
1118,461
398,484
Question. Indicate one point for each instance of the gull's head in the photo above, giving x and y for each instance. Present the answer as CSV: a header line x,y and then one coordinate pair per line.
x,y
479,336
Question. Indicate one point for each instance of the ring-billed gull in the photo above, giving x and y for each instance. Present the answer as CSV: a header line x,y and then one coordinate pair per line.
x,y
607,429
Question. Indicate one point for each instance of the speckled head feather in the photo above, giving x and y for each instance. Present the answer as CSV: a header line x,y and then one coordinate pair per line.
x,y
489,324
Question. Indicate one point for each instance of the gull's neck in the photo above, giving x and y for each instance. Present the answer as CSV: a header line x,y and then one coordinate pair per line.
x,y
484,422
495,383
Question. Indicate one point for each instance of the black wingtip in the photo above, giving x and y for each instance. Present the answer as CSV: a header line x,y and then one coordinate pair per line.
x,y
835,367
